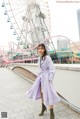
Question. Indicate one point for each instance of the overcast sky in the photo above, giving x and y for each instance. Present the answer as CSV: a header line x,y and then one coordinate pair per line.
x,y
64,19
63,22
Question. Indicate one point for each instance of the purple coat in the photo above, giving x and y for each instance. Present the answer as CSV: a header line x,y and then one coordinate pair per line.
x,y
46,75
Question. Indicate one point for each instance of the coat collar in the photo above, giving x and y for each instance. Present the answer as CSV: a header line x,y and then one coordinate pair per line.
x,y
42,61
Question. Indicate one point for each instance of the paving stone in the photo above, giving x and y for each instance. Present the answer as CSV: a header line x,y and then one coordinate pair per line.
x,y
14,101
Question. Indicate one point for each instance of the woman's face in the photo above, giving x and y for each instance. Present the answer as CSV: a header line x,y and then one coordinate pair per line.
x,y
41,50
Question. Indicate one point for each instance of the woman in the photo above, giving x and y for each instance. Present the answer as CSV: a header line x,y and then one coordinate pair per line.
x,y
43,85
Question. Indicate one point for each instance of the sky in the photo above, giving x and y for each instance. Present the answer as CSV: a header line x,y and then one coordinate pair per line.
x,y
63,22
64,19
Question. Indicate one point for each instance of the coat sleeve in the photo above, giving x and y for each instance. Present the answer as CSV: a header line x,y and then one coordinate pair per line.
x,y
51,68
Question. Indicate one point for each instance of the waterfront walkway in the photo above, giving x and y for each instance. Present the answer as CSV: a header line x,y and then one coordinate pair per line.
x,y
14,101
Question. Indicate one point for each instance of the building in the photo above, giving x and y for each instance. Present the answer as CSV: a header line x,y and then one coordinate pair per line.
x,y
75,47
63,44
78,16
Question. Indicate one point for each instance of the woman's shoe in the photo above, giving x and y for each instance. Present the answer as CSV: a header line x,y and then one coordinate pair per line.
x,y
52,116
43,109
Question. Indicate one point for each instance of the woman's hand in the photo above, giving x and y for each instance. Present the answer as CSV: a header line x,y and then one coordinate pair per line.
x,y
51,76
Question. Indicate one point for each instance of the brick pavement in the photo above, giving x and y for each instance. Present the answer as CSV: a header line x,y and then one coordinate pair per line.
x,y
14,101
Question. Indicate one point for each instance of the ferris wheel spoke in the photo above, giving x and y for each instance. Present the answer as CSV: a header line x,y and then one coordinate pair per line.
x,y
19,2
16,1
19,12
26,24
16,9
25,19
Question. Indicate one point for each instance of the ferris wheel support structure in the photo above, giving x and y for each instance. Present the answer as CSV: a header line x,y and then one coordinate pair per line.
x,y
30,21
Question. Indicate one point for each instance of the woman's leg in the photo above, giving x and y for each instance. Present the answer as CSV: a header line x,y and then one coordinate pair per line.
x,y
51,107
43,106
52,116
42,100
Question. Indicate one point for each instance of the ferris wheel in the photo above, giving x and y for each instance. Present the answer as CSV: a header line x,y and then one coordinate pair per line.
x,y
30,21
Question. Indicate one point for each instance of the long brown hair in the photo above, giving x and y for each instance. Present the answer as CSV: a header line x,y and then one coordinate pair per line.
x,y
43,46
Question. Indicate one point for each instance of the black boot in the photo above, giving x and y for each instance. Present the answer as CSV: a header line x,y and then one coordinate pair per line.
x,y
52,116
43,109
